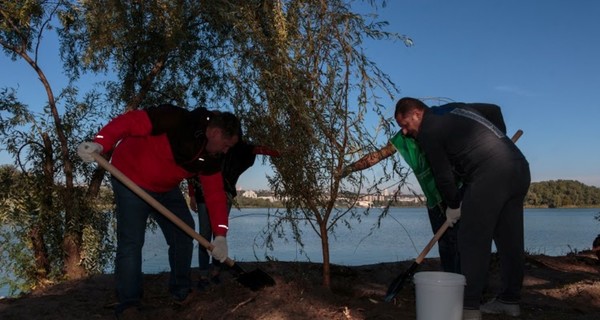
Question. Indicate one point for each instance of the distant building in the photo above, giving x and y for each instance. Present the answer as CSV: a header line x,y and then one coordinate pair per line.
x,y
268,198
364,204
249,194
413,199
364,200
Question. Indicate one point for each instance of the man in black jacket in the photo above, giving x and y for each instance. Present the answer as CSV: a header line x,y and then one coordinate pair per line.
x,y
236,161
470,142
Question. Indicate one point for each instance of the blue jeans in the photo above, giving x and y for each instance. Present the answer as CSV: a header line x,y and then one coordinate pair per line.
x,y
205,230
132,214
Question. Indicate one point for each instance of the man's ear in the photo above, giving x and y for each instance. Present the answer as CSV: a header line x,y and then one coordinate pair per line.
x,y
418,114
211,132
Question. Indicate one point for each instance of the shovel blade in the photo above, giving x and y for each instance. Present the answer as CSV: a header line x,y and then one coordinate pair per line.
x,y
256,279
399,282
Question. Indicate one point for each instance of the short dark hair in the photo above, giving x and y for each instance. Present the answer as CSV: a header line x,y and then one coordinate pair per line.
x,y
226,121
407,104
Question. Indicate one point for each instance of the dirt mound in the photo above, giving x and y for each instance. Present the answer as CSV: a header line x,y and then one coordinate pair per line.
x,y
555,288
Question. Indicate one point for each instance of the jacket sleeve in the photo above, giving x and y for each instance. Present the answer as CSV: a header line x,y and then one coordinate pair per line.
x,y
266,151
132,123
442,170
216,202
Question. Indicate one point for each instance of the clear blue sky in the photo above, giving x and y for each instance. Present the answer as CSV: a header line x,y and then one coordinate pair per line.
x,y
539,60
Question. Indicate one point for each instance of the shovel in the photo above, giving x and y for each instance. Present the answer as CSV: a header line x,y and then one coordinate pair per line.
x,y
398,283
254,280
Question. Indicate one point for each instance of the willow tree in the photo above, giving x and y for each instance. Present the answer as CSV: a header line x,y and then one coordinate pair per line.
x,y
61,230
305,86
158,51
150,51
293,70
155,51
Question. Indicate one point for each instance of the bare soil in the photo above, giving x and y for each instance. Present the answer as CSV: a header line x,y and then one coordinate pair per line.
x,y
565,287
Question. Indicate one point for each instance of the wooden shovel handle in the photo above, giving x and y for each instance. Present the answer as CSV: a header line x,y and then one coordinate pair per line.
x,y
155,204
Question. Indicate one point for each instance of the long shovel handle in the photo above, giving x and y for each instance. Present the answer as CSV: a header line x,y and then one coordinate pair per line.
x,y
433,241
155,204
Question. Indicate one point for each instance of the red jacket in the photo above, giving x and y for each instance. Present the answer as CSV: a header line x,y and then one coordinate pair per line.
x,y
159,147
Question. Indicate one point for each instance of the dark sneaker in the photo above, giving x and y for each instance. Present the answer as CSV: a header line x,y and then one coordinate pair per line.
x,y
179,298
496,306
469,314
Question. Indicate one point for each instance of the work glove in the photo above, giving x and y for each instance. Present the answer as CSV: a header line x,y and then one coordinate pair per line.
x,y
452,215
85,150
219,250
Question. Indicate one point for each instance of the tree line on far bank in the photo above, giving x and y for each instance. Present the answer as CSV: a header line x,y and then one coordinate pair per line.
x,y
547,194
562,193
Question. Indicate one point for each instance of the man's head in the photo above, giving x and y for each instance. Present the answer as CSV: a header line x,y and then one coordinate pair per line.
x,y
409,114
222,132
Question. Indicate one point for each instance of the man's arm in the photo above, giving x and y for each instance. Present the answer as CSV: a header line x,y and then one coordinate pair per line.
x,y
370,159
132,123
266,151
216,202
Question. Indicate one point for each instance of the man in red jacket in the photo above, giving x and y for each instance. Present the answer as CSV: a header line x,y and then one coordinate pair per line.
x,y
157,148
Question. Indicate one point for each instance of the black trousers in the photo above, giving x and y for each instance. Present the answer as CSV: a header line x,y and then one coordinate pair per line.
x,y
492,210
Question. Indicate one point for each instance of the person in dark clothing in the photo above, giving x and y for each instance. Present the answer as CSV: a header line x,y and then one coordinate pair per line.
x,y
235,162
470,142
157,148
414,157
596,246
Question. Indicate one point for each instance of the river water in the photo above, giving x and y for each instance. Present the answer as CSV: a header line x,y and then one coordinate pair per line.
x,y
401,236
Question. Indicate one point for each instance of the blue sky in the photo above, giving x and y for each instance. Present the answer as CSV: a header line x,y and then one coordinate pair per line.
x,y
539,60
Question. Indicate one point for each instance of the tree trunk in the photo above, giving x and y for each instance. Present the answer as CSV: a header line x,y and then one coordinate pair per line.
x,y
36,232
326,263
71,246
40,254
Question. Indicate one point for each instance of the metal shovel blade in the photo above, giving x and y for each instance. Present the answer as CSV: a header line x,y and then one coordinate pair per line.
x,y
399,282
254,280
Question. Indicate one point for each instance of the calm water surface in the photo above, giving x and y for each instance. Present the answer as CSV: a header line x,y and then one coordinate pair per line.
x,y
400,237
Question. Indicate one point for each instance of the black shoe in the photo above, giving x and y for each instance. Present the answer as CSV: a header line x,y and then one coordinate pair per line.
x,y
182,298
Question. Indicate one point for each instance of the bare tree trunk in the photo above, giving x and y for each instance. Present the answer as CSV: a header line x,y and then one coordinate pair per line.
x,y
72,238
326,258
36,234
40,254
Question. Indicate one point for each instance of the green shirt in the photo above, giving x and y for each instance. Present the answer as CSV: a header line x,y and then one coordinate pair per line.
x,y
415,158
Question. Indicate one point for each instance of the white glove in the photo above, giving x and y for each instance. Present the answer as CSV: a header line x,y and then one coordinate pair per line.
x,y
85,150
452,215
219,250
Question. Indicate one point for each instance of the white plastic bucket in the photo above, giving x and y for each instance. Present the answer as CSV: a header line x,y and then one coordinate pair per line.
x,y
439,295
